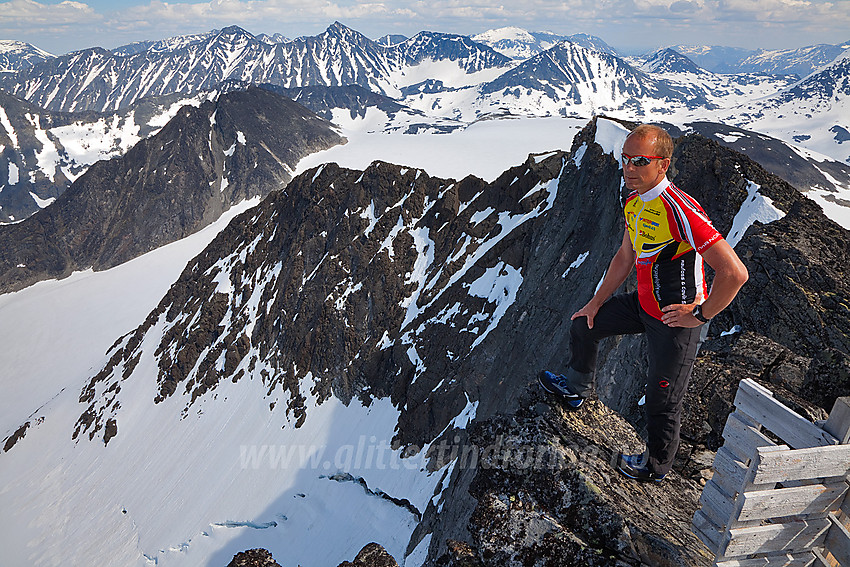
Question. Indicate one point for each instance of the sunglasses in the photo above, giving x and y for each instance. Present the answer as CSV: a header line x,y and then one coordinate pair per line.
x,y
639,161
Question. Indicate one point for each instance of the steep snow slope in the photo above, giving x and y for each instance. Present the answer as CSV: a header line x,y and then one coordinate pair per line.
x,y
76,319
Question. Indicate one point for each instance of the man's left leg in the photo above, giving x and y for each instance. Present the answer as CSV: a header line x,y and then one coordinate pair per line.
x,y
672,352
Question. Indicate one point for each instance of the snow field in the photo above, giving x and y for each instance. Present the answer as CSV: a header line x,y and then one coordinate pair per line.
x,y
76,319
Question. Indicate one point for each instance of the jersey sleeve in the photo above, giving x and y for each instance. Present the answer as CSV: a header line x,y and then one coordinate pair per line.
x,y
693,224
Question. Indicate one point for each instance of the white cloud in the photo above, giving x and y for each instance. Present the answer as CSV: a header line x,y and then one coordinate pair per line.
x,y
242,12
30,13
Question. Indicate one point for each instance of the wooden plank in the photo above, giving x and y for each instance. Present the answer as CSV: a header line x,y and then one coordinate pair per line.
x,y
790,536
717,505
838,424
821,561
706,531
801,464
742,439
805,559
814,500
838,541
729,472
758,402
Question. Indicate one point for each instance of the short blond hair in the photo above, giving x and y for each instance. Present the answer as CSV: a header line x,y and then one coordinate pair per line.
x,y
663,142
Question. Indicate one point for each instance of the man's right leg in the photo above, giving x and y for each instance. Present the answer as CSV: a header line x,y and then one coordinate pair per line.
x,y
620,315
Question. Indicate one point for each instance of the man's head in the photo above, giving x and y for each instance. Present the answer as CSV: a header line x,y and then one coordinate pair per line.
x,y
653,143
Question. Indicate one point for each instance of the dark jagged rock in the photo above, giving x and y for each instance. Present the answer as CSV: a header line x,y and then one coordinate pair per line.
x,y
253,558
776,156
330,258
722,364
322,100
797,307
548,495
166,187
372,555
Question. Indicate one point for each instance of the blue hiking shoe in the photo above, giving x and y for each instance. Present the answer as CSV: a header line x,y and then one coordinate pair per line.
x,y
635,467
557,384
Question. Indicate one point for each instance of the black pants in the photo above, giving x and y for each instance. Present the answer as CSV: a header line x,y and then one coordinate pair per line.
x,y
672,351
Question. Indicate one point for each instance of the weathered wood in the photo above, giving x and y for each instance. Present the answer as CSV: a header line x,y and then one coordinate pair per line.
x,y
734,521
845,508
742,438
838,541
815,500
790,536
820,560
729,472
801,516
717,505
838,424
758,402
706,531
800,464
805,559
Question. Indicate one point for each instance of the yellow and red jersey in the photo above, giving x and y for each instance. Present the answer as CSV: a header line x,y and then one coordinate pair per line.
x,y
668,230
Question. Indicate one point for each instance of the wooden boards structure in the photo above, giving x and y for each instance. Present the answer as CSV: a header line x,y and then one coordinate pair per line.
x,y
778,496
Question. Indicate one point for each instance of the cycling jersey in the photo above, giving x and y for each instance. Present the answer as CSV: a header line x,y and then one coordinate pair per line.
x,y
668,230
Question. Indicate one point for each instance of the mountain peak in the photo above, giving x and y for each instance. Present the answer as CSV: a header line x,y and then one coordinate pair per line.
x,y
235,31
339,28
511,33
667,60
11,46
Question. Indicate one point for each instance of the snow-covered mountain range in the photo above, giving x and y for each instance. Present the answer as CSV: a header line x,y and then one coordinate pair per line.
x,y
521,44
442,82
801,61
216,373
340,56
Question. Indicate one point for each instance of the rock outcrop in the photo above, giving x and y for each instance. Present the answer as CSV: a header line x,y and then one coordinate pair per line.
x,y
372,555
547,494
253,558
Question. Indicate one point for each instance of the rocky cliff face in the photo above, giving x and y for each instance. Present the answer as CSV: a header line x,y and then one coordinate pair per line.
x,y
789,330
245,144
369,283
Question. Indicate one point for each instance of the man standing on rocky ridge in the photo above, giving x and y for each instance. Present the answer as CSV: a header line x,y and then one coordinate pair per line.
x,y
668,236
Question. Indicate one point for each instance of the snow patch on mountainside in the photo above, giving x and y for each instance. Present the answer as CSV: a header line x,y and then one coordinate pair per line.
x,y
756,207
450,73
86,143
610,136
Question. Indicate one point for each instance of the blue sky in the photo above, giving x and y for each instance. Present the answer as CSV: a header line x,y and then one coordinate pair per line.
x,y
630,25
